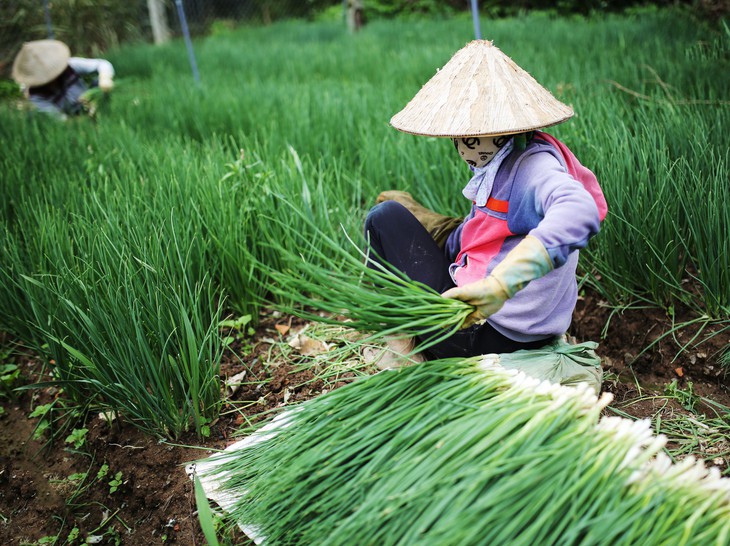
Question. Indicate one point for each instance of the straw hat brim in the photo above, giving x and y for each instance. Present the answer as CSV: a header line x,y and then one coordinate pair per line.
x,y
480,92
40,62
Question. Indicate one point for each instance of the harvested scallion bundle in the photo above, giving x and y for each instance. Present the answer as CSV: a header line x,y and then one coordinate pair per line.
x,y
315,271
462,452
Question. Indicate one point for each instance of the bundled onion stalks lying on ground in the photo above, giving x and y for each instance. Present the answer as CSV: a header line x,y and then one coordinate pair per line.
x,y
464,452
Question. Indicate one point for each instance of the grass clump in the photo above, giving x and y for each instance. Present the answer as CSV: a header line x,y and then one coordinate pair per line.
x,y
117,310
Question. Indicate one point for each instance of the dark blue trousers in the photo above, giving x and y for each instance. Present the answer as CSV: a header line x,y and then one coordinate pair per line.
x,y
398,239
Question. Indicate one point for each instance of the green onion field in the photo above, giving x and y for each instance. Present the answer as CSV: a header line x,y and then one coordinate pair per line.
x,y
189,227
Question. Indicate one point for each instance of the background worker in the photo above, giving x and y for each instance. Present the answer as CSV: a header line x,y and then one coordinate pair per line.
x,y
53,80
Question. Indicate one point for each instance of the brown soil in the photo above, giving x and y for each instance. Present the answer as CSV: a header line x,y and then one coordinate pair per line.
x,y
155,502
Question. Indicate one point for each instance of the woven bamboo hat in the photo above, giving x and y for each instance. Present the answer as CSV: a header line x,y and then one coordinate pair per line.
x,y
40,61
480,92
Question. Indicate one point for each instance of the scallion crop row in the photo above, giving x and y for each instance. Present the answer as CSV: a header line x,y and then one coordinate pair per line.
x,y
174,205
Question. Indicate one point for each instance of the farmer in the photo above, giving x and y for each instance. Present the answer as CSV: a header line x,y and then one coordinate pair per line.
x,y
52,80
533,206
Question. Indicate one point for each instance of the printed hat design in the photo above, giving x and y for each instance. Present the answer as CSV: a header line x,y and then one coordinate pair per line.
x,y
39,62
480,92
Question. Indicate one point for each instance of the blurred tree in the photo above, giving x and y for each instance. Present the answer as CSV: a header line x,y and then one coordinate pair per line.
x,y
158,21
354,15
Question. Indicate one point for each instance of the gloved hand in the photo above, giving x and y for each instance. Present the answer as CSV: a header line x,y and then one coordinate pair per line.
x,y
438,225
106,83
528,261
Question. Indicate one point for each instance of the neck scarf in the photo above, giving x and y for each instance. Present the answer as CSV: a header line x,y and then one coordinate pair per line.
x,y
480,186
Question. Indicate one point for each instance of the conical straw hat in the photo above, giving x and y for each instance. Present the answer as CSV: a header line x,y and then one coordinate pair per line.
x,y
40,62
480,92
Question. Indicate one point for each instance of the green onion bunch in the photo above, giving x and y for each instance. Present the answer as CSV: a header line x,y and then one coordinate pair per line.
x,y
328,278
464,452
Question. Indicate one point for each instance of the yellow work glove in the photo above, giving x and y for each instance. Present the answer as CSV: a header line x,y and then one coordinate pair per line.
x,y
524,263
438,225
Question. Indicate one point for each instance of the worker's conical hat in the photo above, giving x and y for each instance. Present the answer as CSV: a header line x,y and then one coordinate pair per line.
x,y
480,91
40,62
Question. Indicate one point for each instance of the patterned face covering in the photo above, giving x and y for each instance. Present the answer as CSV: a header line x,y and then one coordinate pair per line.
x,y
478,151
480,186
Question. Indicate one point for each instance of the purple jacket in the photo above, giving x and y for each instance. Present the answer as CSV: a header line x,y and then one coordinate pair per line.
x,y
533,193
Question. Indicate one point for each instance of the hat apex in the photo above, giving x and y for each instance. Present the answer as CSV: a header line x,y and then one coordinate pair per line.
x,y
39,62
480,92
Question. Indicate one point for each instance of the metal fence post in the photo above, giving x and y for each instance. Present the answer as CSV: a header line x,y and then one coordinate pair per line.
x,y
188,41
475,17
47,15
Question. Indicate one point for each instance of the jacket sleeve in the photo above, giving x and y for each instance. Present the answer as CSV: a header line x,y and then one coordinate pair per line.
x,y
549,204
88,66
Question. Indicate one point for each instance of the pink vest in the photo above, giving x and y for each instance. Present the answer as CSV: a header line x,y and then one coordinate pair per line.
x,y
579,172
